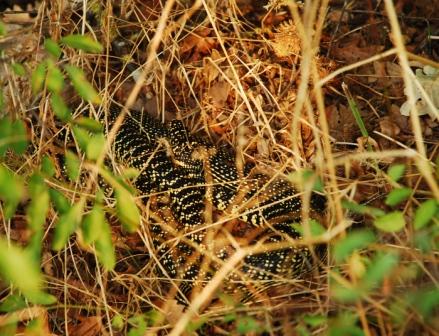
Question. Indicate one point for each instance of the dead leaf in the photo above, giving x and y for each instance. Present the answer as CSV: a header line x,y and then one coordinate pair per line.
x,y
219,93
88,326
198,43
352,52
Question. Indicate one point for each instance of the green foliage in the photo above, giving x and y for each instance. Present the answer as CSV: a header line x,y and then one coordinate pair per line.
x,y
397,196
73,166
18,69
95,147
345,323
13,302
36,213
396,171
59,108
11,191
81,85
66,225
316,229
362,209
425,213
82,42
47,166
89,124
380,266
61,203
52,48
196,324
353,241
427,239
2,29
307,179
127,210
38,77
96,230
247,324
54,78
139,323
390,222
19,268
117,322
12,136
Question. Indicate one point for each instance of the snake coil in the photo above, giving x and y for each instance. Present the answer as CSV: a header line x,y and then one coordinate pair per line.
x,y
168,158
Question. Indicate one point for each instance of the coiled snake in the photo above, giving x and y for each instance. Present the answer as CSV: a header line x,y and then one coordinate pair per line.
x,y
189,173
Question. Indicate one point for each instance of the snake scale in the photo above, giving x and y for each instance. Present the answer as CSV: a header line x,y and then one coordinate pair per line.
x,y
189,172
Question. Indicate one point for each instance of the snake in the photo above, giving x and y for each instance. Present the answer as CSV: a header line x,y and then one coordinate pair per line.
x,y
190,172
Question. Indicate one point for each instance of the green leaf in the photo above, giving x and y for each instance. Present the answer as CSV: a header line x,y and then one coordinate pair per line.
x,y
37,210
344,324
9,329
139,325
117,322
38,77
380,267
2,29
105,249
81,85
93,225
73,166
345,294
354,241
397,196
82,42
127,210
96,229
13,302
18,69
315,320
66,225
196,324
54,78
12,136
426,301
95,147
307,179
315,227
52,48
362,209
2,100
425,213
11,191
247,324
130,173
230,317
396,171
59,107
82,137
89,124
18,268
391,222
47,166
60,202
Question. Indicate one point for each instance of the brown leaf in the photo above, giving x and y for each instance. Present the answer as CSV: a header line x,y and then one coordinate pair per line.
x,y
219,93
352,52
89,326
198,43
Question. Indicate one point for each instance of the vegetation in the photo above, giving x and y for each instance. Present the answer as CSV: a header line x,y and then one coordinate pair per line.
x,y
338,97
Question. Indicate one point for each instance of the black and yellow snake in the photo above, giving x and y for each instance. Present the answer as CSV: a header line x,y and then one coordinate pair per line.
x,y
189,173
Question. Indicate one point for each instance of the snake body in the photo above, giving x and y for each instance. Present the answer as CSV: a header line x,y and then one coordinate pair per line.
x,y
174,162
